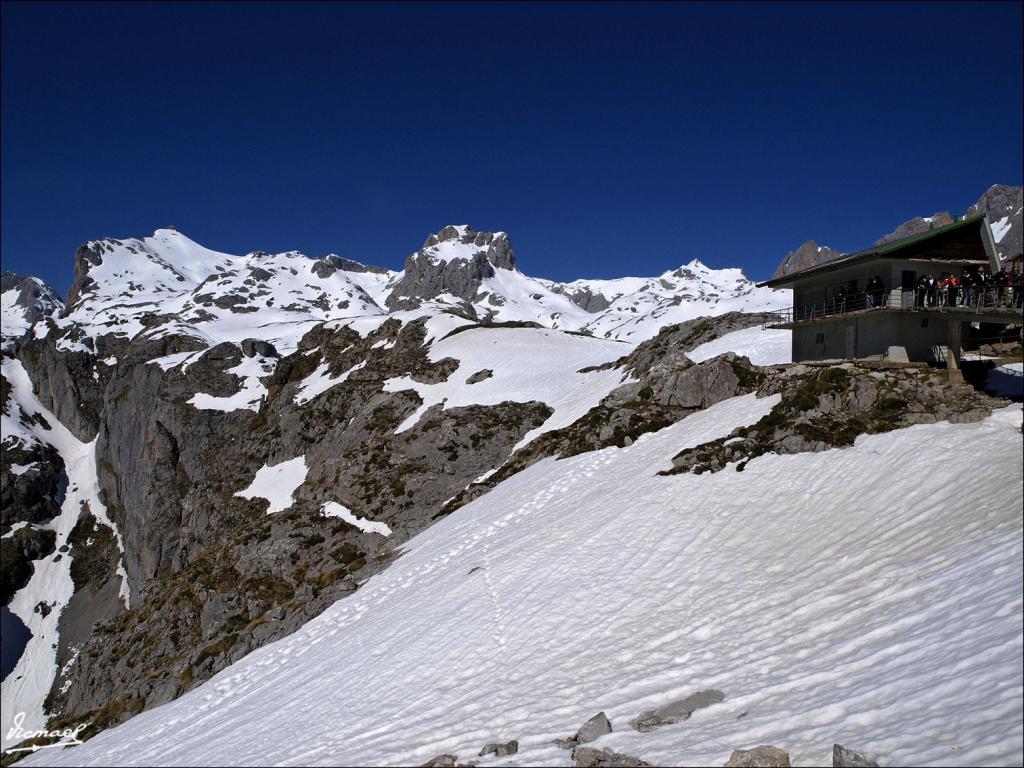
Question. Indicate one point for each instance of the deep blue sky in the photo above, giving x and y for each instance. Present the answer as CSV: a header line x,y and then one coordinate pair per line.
x,y
606,139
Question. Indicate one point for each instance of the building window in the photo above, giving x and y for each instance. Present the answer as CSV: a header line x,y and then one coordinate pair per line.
x,y
819,338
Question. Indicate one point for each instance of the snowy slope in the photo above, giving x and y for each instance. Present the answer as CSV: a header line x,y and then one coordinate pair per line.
x,y
525,364
828,607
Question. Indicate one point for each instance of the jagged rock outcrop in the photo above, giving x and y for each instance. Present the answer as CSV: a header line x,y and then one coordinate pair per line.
x,y
455,261
26,299
916,226
1005,208
328,265
808,255
585,298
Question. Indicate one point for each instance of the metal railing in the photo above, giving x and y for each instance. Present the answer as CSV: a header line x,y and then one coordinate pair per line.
x,y
975,299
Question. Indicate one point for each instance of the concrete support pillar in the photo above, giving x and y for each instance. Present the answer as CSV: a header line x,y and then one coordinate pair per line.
x,y
953,354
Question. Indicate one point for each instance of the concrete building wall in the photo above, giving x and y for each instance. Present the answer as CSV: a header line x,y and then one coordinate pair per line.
x,y
870,335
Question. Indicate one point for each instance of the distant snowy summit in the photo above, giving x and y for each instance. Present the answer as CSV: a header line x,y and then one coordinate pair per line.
x,y
167,286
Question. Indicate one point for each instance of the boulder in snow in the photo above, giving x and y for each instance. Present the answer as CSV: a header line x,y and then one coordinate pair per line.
x,y
676,711
759,757
588,757
848,758
500,750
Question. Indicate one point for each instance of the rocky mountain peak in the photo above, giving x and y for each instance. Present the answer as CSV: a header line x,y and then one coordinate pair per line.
x,y
455,260
807,255
916,226
25,300
1005,208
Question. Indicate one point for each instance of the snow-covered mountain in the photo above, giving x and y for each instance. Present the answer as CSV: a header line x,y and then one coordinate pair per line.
x,y
240,488
166,285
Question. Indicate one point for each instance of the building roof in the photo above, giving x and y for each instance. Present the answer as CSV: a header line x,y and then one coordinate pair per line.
x,y
958,242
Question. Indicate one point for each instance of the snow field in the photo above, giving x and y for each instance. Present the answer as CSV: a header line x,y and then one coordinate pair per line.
x,y
829,605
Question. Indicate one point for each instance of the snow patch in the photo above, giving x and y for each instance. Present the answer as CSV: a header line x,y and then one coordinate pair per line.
x,y
277,484
334,509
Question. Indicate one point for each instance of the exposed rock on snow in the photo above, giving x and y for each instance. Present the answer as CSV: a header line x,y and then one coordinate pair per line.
x,y
758,757
593,729
500,750
848,758
676,711
588,757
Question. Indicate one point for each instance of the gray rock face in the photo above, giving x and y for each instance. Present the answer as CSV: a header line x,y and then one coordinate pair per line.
x,y
676,711
1005,208
257,347
759,757
916,226
848,758
34,297
212,575
588,757
500,750
441,761
481,375
32,495
328,265
426,276
86,257
584,298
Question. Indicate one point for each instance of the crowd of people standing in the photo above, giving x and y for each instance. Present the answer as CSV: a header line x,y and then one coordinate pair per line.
x,y
975,287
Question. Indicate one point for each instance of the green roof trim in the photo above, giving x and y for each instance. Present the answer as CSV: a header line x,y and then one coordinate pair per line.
x,y
914,239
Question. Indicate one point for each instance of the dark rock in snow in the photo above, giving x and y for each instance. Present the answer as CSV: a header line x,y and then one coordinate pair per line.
x,y
676,711
759,757
594,728
588,757
479,376
848,758
500,750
